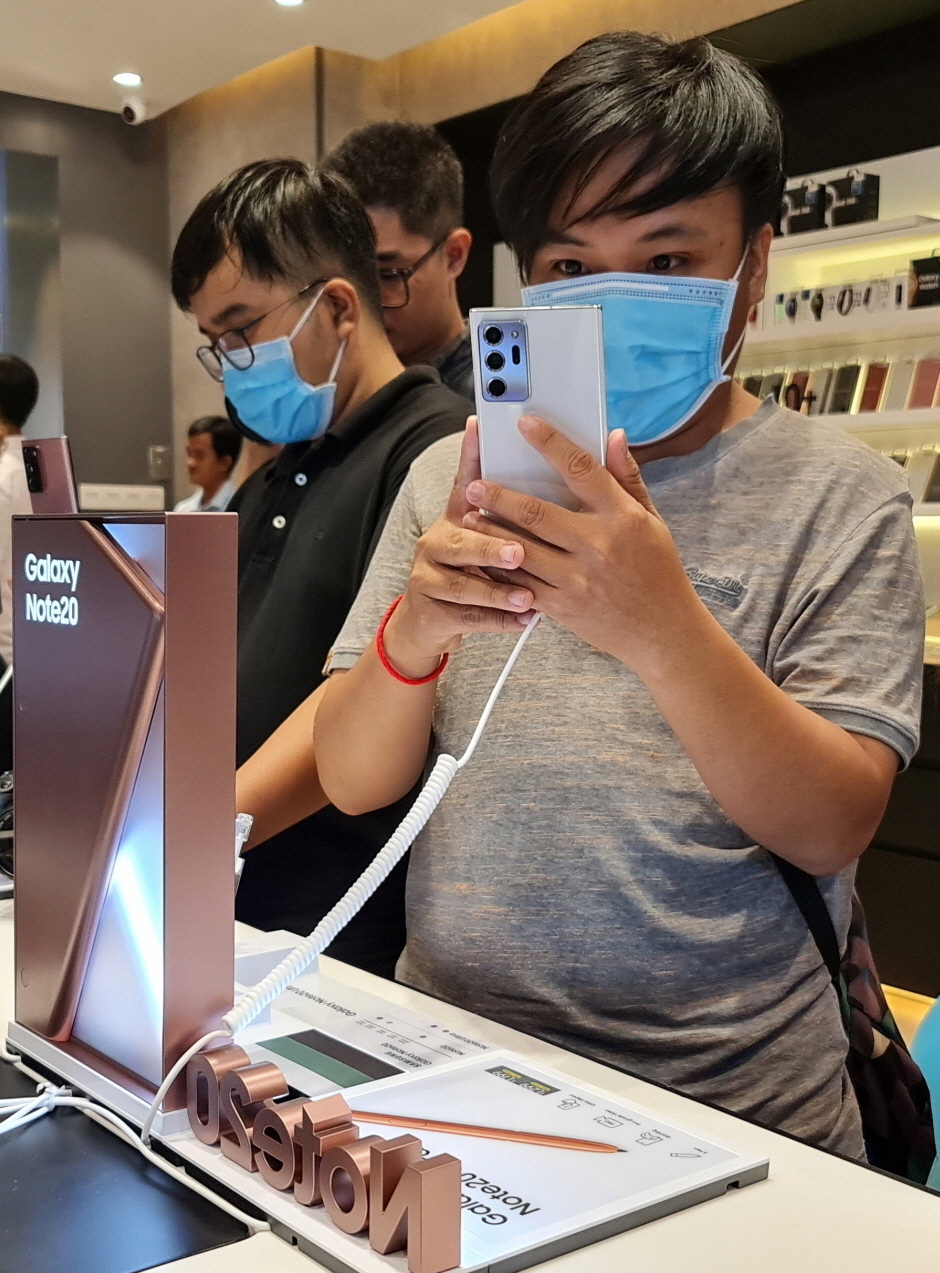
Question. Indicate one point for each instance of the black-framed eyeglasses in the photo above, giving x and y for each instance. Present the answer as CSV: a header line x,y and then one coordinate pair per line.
x,y
393,283
234,345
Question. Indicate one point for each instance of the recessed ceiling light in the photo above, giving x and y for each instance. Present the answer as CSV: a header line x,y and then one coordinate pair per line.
x,y
289,4
127,79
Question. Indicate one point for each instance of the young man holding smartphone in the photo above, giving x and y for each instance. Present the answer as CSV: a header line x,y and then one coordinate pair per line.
x,y
729,661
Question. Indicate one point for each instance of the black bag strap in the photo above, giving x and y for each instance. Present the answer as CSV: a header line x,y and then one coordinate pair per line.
x,y
812,906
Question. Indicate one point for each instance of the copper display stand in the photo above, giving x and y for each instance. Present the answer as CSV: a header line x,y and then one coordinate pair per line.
x,y
124,746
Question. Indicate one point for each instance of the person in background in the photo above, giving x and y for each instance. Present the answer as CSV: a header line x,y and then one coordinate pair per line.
x,y
19,391
212,449
727,672
411,183
277,264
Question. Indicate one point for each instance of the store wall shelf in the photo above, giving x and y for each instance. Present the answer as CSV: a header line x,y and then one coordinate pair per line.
x,y
854,329
927,510
863,233
870,421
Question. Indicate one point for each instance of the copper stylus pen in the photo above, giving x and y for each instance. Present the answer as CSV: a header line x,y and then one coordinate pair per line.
x,y
486,1133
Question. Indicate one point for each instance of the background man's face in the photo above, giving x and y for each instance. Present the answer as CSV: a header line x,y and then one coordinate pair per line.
x,y
414,329
697,238
205,468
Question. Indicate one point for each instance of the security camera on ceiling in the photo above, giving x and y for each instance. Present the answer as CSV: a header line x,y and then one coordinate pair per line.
x,y
133,110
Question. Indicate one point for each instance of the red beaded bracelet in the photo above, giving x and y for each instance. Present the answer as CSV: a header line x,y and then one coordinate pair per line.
x,y
386,662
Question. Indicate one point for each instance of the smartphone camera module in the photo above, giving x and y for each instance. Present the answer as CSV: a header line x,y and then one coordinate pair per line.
x,y
503,349
33,467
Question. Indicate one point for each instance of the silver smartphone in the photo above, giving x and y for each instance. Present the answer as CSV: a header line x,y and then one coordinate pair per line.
x,y
545,361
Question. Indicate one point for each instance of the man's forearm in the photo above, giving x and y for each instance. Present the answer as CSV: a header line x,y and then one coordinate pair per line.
x,y
372,735
279,785
794,782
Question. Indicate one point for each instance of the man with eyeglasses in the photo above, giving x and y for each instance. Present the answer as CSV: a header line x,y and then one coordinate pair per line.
x,y
411,183
277,265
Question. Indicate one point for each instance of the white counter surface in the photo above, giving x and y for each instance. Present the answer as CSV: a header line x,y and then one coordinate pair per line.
x,y
815,1214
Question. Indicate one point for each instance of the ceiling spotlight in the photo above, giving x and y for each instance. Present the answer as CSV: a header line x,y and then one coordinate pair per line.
x,y
289,4
127,79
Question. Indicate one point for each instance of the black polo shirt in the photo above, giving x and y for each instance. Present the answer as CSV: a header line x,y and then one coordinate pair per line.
x,y
308,523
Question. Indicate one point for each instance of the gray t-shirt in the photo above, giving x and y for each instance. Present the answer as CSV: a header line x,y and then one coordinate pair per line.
x,y
579,881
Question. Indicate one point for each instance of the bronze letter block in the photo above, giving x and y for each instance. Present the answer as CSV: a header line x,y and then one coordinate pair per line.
x,y
203,1076
351,1161
242,1096
416,1204
277,1157
325,1124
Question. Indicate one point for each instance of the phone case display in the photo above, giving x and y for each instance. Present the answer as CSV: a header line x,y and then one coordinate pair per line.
x,y
922,473
873,386
899,384
772,385
924,384
931,493
795,391
844,386
853,388
816,398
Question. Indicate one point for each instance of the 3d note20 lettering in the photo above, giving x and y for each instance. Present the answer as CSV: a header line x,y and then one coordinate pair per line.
x,y
365,1183
50,609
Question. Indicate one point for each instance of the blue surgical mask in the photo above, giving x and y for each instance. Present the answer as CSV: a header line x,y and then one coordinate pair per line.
x,y
270,399
663,339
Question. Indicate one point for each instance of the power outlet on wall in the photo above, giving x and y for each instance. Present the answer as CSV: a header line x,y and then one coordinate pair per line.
x,y
159,463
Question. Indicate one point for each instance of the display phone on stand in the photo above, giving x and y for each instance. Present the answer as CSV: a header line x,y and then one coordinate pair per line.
x,y
50,478
544,361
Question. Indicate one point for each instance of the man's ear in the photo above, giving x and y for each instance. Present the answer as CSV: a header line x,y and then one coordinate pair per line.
x,y
341,307
456,250
755,266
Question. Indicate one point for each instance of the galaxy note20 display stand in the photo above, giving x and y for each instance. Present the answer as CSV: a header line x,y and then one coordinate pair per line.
x,y
124,746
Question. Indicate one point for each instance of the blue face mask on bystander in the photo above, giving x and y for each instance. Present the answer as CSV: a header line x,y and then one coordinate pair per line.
x,y
663,341
270,397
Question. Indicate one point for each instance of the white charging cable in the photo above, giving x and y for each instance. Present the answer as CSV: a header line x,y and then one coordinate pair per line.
x,y
276,982
20,1111
432,793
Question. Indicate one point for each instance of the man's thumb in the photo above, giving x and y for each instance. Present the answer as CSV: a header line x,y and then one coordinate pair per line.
x,y
623,466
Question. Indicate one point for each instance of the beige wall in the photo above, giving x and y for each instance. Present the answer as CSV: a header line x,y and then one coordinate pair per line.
x,y
270,111
273,111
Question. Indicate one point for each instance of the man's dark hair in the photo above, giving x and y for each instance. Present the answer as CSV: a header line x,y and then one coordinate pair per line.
x,y
225,438
19,389
700,119
287,222
407,168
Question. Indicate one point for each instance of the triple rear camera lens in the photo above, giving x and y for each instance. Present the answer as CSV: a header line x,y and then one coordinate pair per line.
x,y
492,335
495,361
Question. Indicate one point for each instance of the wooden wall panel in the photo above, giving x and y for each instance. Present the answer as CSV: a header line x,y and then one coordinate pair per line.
x,y
504,54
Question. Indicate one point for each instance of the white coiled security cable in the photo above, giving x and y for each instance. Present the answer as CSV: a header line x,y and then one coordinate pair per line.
x,y
276,982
